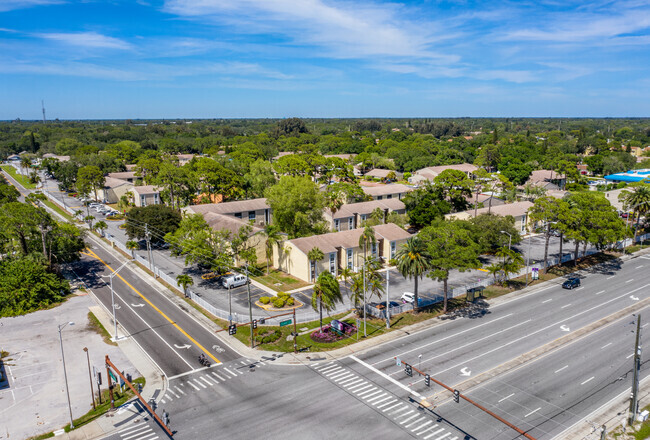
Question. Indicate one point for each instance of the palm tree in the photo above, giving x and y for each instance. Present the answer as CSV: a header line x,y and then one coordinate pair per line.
x,y
511,263
326,294
184,280
273,237
315,255
346,274
25,163
132,246
366,238
638,201
89,219
100,225
413,261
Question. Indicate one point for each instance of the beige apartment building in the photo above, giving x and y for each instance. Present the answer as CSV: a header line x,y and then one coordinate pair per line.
x,y
341,249
351,215
254,210
146,195
384,192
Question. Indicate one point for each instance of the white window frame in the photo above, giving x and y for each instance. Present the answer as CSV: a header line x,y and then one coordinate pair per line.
x,y
337,225
251,217
350,258
350,223
393,249
333,263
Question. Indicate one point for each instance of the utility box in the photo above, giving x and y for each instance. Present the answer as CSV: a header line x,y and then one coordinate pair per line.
x,y
643,416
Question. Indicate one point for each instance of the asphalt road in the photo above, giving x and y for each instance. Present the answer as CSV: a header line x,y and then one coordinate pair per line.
x,y
167,333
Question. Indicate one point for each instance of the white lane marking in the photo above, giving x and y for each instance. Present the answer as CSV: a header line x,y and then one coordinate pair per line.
x,y
532,412
598,293
460,347
381,396
606,345
609,278
147,437
382,400
329,368
514,341
565,306
391,359
391,407
629,281
422,426
434,433
414,423
643,326
229,372
548,300
331,371
207,381
588,380
557,371
639,267
368,393
354,382
163,400
186,346
347,380
179,390
218,377
409,418
507,397
145,429
385,404
117,295
580,288
629,356
172,391
634,298
194,386
465,372
386,376
564,328
343,373
363,387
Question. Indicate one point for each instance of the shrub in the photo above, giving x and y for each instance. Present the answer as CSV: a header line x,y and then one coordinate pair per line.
x,y
265,300
290,301
267,338
278,302
283,295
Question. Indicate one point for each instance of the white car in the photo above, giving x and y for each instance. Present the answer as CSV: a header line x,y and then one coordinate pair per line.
x,y
408,297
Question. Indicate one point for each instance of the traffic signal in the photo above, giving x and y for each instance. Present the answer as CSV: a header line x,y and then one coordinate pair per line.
x,y
456,396
262,320
427,380
408,370
232,329
254,324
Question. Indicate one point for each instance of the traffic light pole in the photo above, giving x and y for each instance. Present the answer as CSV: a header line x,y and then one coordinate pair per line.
x,y
142,400
458,396
635,378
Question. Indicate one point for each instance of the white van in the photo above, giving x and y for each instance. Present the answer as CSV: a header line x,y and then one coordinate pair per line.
x,y
234,280
408,297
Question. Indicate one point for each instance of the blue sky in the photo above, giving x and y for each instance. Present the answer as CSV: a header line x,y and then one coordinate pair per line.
x,y
92,59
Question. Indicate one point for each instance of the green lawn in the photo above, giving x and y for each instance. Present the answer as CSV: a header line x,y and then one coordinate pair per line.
x,y
22,180
56,208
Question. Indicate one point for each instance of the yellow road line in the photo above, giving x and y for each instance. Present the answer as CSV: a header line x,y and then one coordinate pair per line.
x,y
484,270
94,255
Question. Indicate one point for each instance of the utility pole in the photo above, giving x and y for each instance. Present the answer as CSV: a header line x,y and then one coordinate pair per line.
x,y
90,376
147,237
250,307
387,302
635,378
43,107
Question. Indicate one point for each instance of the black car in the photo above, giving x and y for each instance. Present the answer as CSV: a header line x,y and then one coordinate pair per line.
x,y
571,283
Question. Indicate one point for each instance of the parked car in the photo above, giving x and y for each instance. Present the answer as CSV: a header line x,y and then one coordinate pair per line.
x,y
571,283
408,297
234,280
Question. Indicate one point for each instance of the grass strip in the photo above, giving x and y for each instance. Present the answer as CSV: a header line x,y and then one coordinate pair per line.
x,y
97,327
22,180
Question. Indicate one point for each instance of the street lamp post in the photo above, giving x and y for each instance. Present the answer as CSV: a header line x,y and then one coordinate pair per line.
x,y
113,293
65,374
90,376
509,238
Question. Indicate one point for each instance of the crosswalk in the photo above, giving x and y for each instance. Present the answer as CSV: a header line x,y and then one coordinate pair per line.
x,y
138,432
404,414
210,377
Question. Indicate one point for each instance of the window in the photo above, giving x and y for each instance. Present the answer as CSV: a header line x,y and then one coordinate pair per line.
x,y
379,197
389,196
393,249
156,199
251,215
143,201
364,217
349,256
523,223
337,225
350,223
374,250
333,263
238,215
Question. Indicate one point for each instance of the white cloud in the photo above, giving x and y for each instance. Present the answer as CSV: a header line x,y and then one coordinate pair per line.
x,y
344,30
10,5
87,39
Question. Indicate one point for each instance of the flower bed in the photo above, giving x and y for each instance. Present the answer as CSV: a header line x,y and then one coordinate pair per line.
x,y
329,335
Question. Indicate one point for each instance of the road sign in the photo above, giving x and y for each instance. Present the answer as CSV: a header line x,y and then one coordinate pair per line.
x,y
287,322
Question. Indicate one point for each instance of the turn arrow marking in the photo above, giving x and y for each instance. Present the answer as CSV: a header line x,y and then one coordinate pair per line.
x,y
137,305
634,298
465,372
182,346
564,328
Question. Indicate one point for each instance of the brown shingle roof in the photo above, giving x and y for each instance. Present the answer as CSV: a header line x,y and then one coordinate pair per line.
x,y
347,239
146,190
230,207
514,209
385,190
110,182
220,222
348,210
123,175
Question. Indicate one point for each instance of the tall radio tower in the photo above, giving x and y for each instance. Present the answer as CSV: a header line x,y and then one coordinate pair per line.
x,y
43,107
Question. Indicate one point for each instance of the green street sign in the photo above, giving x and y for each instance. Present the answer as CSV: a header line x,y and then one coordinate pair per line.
x,y
283,323
112,376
